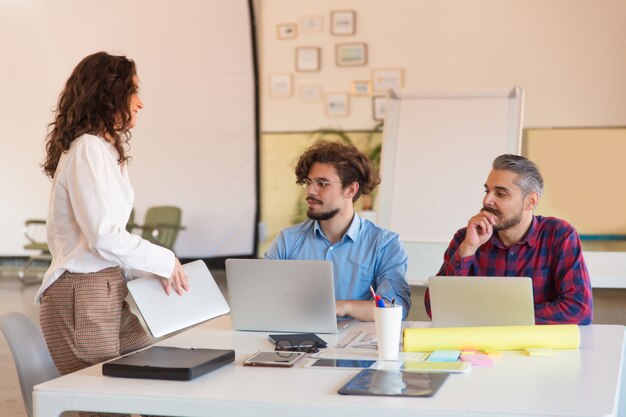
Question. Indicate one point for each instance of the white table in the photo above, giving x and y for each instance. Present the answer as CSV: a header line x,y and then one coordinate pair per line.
x,y
583,382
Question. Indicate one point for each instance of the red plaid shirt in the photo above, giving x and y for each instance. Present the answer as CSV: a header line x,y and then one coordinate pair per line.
x,y
550,254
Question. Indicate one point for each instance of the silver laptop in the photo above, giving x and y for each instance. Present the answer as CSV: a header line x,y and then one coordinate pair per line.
x,y
282,296
481,301
165,314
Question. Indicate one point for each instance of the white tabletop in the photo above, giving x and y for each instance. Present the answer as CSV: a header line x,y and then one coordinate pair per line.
x,y
584,382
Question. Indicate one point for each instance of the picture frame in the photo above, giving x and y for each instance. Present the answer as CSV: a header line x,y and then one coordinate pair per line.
x,y
308,59
312,24
384,79
280,85
379,104
287,31
337,104
361,88
351,54
310,92
343,22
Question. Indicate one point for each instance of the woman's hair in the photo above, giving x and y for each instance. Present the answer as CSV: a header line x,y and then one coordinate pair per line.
x,y
351,165
95,100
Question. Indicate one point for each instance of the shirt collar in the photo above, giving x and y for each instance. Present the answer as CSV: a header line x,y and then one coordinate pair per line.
x,y
352,233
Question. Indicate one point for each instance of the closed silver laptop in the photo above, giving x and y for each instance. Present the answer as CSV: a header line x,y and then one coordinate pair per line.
x,y
481,301
165,314
281,295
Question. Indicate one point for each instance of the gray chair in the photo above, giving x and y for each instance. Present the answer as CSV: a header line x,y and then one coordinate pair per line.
x,y
30,353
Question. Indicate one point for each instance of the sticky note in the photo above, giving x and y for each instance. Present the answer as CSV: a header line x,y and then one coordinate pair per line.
x,y
477,359
451,367
444,356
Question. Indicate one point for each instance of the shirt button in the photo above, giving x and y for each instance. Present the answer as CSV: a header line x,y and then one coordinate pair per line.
x,y
331,248
512,253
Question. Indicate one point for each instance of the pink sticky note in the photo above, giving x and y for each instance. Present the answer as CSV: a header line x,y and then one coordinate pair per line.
x,y
477,359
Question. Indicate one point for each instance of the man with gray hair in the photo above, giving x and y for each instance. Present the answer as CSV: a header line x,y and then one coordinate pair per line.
x,y
506,239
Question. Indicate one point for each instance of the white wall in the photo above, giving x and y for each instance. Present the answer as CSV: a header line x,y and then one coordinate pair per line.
x,y
194,145
568,55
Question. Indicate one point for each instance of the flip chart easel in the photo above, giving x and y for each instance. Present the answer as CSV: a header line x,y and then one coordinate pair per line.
x,y
437,152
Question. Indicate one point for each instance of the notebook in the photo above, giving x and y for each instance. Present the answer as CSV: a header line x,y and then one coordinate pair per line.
x,y
165,362
165,314
281,295
481,301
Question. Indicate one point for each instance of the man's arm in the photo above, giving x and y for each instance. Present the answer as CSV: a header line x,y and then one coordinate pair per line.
x,y
278,249
359,309
453,264
390,280
574,302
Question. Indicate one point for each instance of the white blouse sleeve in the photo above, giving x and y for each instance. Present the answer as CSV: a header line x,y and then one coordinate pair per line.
x,y
99,194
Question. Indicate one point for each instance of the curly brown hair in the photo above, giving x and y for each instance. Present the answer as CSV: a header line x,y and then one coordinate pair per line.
x,y
95,100
351,164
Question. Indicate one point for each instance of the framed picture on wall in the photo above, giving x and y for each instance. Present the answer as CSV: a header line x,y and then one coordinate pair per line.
x,y
361,88
287,31
378,107
308,59
343,22
336,104
312,23
281,85
351,54
310,92
384,79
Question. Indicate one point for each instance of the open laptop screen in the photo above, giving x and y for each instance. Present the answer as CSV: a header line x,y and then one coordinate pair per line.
x,y
481,301
281,295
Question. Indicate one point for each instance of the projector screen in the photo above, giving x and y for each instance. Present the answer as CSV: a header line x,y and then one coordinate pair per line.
x,y
195,144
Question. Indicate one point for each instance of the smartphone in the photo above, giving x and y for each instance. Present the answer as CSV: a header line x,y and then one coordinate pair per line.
x,y
279,359
342,363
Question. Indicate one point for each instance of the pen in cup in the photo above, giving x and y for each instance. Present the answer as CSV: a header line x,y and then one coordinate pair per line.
x,y
377,298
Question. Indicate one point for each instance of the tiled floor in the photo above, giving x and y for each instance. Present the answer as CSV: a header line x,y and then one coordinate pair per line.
x,y
14,296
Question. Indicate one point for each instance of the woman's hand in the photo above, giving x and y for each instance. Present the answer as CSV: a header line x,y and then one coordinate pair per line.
x,y
178,280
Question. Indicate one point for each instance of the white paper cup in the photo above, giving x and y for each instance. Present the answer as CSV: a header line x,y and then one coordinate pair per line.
x,y
388,328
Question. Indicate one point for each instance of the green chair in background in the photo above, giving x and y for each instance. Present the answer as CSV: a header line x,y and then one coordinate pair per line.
x,y
161,225
35,232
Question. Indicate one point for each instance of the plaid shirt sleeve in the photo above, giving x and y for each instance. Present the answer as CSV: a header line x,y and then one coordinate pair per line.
x,y
453,264
574,301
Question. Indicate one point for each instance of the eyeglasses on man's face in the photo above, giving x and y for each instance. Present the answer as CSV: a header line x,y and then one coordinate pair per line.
x,y
308,346
318,183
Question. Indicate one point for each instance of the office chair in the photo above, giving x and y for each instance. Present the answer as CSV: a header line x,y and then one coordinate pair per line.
x,y
30,353
161,225
35,232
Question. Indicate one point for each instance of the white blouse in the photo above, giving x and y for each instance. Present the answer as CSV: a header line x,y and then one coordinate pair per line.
x,y
89,207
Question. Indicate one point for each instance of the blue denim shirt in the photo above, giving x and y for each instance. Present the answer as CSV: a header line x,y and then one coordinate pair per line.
x,y
366,255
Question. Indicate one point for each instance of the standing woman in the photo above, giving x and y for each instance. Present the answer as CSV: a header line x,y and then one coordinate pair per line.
x,y
83,315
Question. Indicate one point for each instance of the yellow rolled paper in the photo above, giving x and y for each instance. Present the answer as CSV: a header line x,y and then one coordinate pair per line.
x,y
555,336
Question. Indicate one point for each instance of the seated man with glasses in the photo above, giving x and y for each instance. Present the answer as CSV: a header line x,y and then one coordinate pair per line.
x,y
363,255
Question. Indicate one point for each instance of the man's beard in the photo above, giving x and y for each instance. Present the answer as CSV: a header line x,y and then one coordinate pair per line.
x,y
327,215
506,222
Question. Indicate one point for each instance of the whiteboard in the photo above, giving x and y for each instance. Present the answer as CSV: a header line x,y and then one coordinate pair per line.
x,y
195,141
437,151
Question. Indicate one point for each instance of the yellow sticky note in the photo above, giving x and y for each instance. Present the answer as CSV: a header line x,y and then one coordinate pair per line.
x,y
492,353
